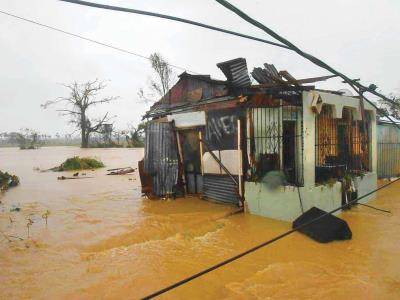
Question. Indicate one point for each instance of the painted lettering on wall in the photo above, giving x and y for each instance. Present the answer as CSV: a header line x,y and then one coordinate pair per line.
x,y
221,130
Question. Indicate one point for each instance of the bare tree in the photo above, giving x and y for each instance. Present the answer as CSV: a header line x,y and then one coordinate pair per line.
x,y
160,85
391,108
81,97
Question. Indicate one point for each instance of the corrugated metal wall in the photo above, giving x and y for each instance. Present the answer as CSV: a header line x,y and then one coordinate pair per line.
x,y
388,139
220,188
161,157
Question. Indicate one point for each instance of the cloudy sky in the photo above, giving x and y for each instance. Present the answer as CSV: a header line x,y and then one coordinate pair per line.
x,y
358,37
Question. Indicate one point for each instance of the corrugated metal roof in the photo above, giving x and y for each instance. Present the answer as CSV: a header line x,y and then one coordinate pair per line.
x,y
236,72
164,110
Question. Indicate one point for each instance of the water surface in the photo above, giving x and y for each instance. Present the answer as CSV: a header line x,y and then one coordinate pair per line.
x,y
104,241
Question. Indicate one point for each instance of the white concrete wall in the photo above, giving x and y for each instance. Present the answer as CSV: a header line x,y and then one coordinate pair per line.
x,y
365,185
229,158
309,141
283,203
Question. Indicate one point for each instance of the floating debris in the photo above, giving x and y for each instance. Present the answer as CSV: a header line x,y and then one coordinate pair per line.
x,y
66,178
121,171
327,229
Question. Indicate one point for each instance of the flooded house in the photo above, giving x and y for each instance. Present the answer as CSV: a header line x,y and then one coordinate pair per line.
x,y
274,145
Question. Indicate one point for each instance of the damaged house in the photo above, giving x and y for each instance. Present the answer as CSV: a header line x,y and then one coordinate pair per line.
x,y
277,146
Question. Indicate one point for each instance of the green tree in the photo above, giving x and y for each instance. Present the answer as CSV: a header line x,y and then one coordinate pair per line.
x,y
135,135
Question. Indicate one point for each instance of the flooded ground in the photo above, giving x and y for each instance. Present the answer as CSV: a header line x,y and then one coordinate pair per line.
x,y
103,241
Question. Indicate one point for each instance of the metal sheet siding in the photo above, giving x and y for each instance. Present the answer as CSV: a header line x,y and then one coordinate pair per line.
x,y
388,151
220,188
161,157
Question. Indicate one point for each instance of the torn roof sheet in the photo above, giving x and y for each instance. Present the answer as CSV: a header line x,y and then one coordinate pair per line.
x,y
267,75
236,72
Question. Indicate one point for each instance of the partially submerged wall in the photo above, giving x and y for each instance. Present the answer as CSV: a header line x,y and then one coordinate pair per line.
x,y
365,185
283,203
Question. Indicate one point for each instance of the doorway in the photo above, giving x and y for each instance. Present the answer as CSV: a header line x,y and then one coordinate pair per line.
x,y
289,150
190,147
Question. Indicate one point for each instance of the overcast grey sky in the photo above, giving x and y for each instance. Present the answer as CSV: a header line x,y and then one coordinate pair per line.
x,y
358,37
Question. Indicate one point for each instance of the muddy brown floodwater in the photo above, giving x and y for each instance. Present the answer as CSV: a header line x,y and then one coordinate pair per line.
x,y
103,241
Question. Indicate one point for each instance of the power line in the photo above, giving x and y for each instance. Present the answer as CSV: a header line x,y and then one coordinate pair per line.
x,y
172,18
313,59
379,209
269,242
89,39
285,43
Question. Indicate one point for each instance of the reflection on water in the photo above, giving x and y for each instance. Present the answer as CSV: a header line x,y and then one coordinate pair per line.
x,y
104,241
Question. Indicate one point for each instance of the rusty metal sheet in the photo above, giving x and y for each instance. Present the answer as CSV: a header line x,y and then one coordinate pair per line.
x,y
145,179
195,95
267,75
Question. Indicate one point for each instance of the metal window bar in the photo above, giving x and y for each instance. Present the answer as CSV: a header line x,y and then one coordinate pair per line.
x,y
341,146
275,141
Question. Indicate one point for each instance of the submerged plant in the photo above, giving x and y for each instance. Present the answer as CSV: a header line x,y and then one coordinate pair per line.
x,y
29,224
46,215
7,180
79,163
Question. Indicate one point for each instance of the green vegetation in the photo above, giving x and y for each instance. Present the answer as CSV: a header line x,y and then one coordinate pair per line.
x,y
135,136
7,180
28,139
78,163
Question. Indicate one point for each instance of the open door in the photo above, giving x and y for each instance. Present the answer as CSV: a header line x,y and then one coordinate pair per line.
x,y
190,147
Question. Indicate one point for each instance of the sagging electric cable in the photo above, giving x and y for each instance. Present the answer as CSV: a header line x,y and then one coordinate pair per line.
x,y
255,248
285,43
376,208
301,201
172,18
311,58
89,39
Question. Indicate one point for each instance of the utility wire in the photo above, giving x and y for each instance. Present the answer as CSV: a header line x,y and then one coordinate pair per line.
x,y
360,88
172,18
286,44
376,208
89,39
277,238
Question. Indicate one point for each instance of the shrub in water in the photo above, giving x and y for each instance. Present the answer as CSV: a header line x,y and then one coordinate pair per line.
x,y
8,180
79,163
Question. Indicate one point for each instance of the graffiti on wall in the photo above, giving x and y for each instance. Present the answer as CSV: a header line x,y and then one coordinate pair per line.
x,y
221,132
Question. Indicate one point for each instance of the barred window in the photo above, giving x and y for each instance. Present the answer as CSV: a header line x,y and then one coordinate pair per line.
x,y
341,145
275,141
